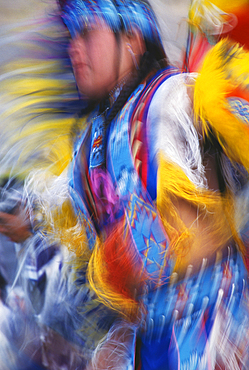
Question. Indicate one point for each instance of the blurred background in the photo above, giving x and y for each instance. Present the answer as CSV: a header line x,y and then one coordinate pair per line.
x,y
171,14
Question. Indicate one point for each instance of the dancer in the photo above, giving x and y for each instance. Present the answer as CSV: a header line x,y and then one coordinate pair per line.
x,y
154,184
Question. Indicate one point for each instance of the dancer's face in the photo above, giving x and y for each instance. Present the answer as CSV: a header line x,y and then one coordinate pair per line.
x,y
99,60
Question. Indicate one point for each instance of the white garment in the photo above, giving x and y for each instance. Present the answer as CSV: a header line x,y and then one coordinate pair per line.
x,y
170,127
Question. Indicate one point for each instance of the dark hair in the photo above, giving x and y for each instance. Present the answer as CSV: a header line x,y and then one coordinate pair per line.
x,y
155,47
148,65
152,61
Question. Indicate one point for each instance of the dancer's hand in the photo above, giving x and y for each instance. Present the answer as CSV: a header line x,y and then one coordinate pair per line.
x,y
15,226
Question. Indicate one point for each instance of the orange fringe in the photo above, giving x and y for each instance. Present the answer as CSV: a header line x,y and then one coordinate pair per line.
x,y
115,272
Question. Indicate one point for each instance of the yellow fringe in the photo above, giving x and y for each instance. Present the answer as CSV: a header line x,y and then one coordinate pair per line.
x,y
225,69
62,225
199,221
33,132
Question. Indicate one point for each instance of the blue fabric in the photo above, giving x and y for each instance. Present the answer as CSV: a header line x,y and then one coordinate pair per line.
x,y
181,316
141,214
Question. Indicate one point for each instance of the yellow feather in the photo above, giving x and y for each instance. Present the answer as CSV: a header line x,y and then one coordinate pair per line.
x,y
205,233
224,71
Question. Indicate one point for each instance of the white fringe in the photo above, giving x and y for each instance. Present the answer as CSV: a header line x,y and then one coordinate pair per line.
x,y
171,130
115,351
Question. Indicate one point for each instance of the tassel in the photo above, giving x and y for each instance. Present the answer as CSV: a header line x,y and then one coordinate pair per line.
x,y
199,221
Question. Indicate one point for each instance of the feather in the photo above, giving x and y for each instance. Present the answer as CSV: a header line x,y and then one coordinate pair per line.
x,y
223,82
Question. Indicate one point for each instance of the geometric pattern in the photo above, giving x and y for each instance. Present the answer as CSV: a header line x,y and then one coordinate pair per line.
x,y
148,233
